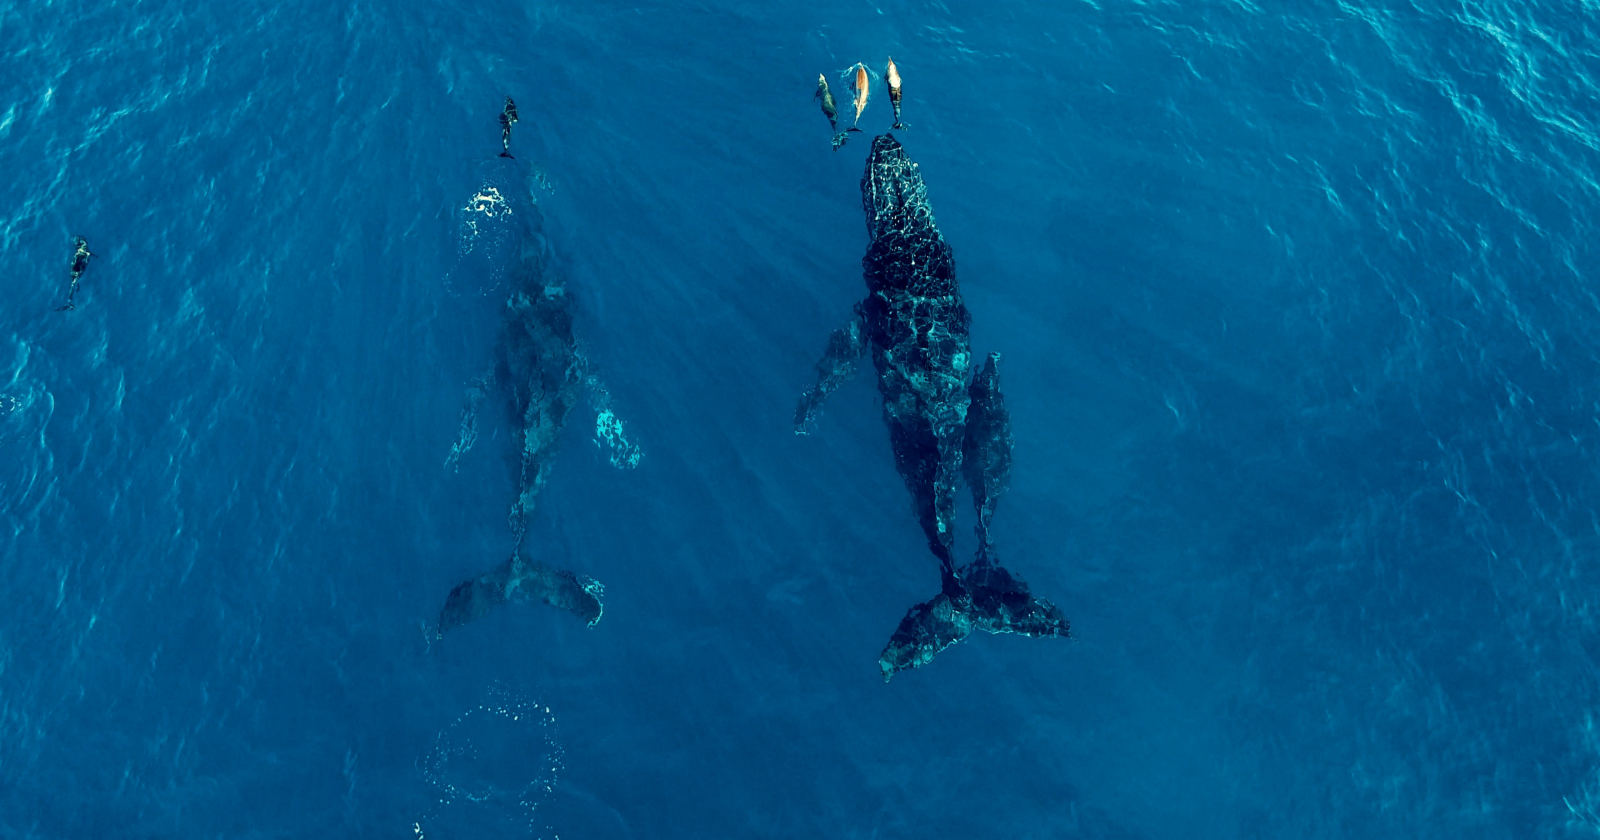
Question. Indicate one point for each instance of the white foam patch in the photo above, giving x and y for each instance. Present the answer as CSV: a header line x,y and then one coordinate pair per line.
x,y
487,204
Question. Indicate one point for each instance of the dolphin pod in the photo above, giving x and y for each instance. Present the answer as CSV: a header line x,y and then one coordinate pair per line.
x,y
941,425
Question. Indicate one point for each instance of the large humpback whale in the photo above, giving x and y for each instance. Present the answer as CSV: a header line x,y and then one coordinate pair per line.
x,y
544,375
940,424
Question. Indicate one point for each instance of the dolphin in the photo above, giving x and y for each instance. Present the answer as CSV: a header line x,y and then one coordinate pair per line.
x,y
892,73
941,424
544,375
830,110
860,89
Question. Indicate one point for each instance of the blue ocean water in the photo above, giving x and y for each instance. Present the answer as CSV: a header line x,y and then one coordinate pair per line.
x,y
1301,355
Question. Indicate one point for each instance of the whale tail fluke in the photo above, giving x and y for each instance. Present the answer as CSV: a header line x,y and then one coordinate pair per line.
x,y
928,628
985,597
524,581
506,155
980,595
1002,603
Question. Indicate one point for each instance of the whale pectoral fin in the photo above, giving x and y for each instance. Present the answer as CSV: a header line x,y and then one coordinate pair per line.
x,y
838,364
609,432
522,581
468,434
986,449
610,436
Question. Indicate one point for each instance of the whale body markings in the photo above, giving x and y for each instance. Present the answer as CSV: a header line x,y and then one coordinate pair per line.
x,y
943,426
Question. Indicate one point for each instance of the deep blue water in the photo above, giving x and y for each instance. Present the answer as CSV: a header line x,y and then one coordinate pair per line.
x,y
1302,353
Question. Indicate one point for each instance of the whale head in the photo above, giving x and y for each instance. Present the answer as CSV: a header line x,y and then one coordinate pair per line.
x,y
892,192
907,255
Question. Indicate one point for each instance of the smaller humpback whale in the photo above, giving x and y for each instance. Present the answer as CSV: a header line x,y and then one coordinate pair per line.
x,y
860,89
893,75
508,118
830,110
941,426
80,263
544,375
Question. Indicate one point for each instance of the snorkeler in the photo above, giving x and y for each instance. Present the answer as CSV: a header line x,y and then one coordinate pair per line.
x,y
508,118
80,263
